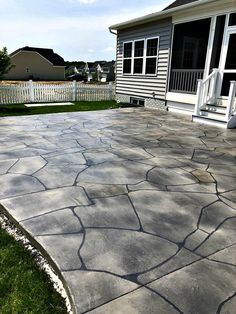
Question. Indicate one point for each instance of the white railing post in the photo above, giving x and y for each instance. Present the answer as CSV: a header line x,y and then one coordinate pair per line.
x,y
74,85
199,98
110,90
231,99
212,94
31,90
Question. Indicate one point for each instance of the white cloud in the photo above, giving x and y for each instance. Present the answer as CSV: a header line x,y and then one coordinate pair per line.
x,y
86,1
110,49
91,50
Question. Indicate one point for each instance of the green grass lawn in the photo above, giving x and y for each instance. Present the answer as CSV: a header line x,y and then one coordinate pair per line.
x,y
24,288
20,109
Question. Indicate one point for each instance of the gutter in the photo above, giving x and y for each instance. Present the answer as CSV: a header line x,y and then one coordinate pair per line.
x,y
112,32
156,16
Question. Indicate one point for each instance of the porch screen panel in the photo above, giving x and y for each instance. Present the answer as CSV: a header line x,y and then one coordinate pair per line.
x,y
218,38
232,19
230,66
189,55
231,54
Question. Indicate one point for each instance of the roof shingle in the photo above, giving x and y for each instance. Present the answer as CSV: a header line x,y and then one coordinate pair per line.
x,y
178,3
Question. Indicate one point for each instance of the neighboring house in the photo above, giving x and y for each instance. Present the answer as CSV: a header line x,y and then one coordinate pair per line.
x,y
182,58
84,69
76,70
95,69
108,71
71,70
102,71
36,63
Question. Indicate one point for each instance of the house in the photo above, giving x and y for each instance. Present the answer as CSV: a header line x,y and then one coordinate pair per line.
x,y
36,63
95,69
101,71
71,70
84,69
182,59
108,71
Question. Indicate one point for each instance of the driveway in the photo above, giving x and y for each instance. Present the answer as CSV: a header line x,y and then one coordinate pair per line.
x,y
136,209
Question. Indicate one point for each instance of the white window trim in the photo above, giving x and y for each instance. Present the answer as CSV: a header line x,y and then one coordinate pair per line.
x,y
149,57
144,56
128,58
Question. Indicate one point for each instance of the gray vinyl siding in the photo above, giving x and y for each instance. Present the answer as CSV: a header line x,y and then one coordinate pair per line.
x,y
145,85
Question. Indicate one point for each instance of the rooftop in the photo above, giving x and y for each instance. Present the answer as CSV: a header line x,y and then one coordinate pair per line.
x,y
47,53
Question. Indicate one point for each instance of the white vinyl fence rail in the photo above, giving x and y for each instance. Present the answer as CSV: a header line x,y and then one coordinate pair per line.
x,y
32,92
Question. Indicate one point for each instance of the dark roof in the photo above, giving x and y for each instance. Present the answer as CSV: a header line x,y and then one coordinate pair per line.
x,y
48,54
109,64
96,63
178,3
93,65
90,64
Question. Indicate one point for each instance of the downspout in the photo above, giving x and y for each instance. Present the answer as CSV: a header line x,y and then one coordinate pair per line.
x,y
114,33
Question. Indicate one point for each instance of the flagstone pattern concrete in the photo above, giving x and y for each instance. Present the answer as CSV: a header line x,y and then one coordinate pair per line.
x,y
136,209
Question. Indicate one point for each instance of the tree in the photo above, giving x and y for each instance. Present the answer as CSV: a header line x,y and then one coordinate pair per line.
x,y
5,62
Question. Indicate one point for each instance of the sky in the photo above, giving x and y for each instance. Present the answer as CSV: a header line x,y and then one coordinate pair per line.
x,y
75,29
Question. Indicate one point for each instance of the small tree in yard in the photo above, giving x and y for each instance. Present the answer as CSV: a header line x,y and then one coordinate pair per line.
x,y
5,62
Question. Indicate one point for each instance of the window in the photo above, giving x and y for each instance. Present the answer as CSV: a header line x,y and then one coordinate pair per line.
x,y
105,70
140,57
151,57
137,101
127,58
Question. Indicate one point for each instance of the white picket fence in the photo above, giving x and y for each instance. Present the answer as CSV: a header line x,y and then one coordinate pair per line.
x,y
32,92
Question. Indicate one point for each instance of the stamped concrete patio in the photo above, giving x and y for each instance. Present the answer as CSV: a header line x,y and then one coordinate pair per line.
x,y
135,209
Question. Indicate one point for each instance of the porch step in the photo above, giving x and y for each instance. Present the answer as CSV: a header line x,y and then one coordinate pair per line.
x,y
210,121
215,108
215,115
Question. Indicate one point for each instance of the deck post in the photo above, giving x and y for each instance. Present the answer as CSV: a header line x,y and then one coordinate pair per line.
x,y
212,89
231,99
199,97
31,91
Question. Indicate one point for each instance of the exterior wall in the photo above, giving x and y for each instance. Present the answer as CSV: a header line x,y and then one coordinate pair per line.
x,y
143,86
39,68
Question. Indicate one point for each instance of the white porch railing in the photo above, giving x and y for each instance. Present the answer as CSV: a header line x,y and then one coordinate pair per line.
x,y
185,80
29,92
231,106
206,91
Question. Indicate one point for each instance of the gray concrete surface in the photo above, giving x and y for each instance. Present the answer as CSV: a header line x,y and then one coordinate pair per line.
x,y
136,208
